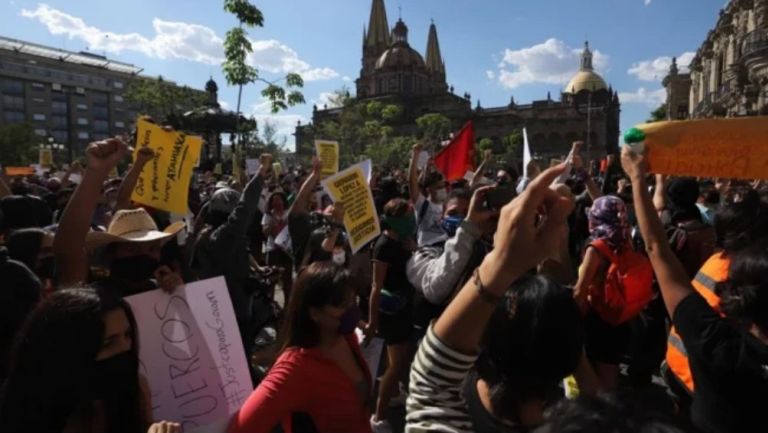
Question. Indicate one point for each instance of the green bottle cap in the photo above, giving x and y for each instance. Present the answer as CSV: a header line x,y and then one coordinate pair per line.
x,y
634,135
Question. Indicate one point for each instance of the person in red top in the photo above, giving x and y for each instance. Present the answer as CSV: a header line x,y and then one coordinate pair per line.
x,y
320,382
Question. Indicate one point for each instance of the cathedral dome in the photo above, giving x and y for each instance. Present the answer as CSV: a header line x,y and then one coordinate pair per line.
x,y
586,80
400,56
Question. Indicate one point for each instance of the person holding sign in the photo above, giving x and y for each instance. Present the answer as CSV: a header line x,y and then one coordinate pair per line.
x,y
275,220
320,381
131,245
429,208
75,368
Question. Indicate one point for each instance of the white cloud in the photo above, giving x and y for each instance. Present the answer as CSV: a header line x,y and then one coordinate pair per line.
x,y
658,68
225,105
176,40
490,74
651,98
324,99
551,62
285,124
647,2
346,78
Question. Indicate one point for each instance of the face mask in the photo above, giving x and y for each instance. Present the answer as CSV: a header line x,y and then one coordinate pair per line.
x,y
135,269
441,195
115,376
339,256
403,226
47,267
451,224
349,320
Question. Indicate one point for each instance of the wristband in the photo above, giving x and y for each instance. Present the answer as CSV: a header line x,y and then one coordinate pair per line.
x,y
485,295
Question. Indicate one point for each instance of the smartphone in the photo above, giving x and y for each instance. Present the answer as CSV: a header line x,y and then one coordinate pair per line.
x,y
497,198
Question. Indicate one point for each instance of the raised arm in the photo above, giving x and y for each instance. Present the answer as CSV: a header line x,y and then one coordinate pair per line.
x,y
241,218
337,219
673,280
487,155
69,243
659,193
413,173
129,182
299,206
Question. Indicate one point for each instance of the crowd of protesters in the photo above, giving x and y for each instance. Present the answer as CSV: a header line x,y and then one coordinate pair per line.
x,y
541,303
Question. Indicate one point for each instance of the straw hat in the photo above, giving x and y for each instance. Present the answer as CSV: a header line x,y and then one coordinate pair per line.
x,y
134,225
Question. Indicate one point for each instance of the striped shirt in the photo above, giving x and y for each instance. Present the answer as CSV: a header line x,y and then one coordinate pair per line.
x,y
435,401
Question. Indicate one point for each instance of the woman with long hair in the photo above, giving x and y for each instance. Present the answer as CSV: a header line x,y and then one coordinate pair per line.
x,y
275,221
75,368
320,381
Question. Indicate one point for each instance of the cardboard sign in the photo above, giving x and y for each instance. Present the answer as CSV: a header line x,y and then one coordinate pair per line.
x,y
19,171
46,158
360,218
164,182
328,152
252,166
191,353
732,148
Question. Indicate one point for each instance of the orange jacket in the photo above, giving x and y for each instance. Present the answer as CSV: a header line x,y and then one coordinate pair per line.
x,y
714,271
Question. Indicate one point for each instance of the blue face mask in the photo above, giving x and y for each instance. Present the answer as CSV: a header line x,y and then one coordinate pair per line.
x,y
451,224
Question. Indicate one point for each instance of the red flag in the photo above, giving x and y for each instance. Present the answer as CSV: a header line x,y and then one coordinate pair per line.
x,y
458,157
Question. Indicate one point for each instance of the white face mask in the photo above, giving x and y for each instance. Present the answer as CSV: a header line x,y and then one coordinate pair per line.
x,y
339,257
441,195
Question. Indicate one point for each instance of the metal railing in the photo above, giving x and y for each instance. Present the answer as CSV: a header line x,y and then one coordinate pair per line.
x,y
756,40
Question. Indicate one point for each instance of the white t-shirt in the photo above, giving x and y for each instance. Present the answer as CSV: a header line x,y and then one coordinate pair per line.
x,y
428,229
268,218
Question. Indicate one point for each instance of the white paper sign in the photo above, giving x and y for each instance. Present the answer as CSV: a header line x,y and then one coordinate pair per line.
x,y
191,353
423,160
252,166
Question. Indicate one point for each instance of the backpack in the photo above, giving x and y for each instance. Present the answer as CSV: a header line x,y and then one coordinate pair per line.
x,y
628,285
693,242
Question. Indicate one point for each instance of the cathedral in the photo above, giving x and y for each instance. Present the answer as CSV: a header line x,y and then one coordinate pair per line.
x,y
393,72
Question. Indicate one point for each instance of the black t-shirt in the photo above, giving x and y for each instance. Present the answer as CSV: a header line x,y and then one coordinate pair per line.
x,y
300,228
391,252
730,369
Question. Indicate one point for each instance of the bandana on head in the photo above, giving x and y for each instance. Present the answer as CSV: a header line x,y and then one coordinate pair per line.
x,y
608,221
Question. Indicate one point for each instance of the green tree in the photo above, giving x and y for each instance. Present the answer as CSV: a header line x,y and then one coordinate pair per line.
x,y
160,99
434,127
659,114
484,144
391,113
512,143
18,144
239,73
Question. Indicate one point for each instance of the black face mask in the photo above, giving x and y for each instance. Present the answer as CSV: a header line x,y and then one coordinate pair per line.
x,y
134,269
47,267
115,376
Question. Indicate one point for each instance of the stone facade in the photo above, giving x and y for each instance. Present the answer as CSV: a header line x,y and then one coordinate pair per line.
x,y
393,72
729,74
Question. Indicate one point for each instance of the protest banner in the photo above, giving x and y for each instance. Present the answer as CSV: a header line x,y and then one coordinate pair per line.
x,y
164,182
328,152
46,158
351,187
730,148
19,171
252,166
191,353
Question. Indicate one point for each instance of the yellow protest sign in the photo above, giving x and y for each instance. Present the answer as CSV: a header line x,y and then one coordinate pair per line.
x,y
350,187
731,148
278,168
46,158
164,181
328,152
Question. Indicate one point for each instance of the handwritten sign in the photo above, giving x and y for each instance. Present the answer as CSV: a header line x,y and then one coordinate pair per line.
x,y
46,158
19,171
328,152
164,181
191,353
732,148
360,218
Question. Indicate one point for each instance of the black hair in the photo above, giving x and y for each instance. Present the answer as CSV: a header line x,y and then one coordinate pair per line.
x,y
431,179
24,245
744,296
52,363
460,194
318,285
534,339
20,293
272,197
606,413
740,224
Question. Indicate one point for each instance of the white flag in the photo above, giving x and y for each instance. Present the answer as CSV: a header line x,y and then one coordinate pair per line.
x,y
526,154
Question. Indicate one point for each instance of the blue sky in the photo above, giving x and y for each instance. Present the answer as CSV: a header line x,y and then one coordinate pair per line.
x,y
493,49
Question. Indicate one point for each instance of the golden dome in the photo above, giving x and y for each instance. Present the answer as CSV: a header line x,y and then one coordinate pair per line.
x,y
400,55
586,80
